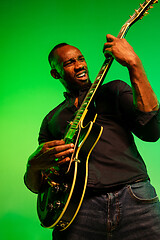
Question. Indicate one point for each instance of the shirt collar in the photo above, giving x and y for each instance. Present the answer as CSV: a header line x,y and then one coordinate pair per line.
x,y
69,95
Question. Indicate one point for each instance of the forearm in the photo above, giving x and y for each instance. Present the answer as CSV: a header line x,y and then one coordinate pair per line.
x,y
144,97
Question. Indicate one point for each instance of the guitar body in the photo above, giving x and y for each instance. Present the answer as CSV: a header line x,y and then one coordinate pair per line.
x,y
59,204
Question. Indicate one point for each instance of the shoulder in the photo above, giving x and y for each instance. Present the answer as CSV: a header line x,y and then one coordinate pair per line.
x,y
115,85
113,89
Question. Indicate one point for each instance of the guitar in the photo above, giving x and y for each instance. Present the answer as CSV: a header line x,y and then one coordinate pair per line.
x,y
65,186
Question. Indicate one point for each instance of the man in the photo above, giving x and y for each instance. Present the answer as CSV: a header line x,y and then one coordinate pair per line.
x,y
120,202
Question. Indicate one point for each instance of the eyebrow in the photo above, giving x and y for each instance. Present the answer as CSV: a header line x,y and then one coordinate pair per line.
x,y
72,59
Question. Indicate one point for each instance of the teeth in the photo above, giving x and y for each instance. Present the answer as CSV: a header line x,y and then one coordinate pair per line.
x,y
81,75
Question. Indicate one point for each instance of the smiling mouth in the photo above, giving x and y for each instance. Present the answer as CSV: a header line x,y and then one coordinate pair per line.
x,y
82,75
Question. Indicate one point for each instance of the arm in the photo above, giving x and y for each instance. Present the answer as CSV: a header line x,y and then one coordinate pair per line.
x,y
143,96
44,158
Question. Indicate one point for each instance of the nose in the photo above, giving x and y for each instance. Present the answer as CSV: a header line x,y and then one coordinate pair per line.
x,y
78,66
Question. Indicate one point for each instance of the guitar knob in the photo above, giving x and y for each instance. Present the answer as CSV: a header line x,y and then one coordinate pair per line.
x,y
55,205
65,187
55,188
58,204
50,207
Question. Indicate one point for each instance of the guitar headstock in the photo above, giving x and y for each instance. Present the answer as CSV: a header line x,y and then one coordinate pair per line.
x,y
138,14
142,11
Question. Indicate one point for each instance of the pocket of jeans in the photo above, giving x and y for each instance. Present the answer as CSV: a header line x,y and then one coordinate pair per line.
x,y
143,192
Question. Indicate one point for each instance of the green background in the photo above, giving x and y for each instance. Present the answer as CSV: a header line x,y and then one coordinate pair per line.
x,y
29,30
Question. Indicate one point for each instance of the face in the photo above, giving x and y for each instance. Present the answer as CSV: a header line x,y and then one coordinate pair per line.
x,y
71,67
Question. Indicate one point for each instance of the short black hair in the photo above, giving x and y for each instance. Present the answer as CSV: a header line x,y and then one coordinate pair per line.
x,y
51,54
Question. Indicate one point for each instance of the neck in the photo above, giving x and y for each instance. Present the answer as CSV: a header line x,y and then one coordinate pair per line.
x,y
75,91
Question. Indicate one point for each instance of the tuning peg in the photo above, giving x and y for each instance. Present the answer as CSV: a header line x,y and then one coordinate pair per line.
x,y
141,5
136,11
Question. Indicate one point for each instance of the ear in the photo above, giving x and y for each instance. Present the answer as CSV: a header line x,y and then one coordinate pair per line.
x,y
55,74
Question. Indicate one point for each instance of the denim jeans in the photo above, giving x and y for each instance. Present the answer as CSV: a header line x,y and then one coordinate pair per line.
x,y
132,213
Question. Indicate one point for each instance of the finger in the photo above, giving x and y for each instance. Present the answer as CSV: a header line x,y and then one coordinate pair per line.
x,y
107,46
60,148
60,162
64,153
54,143
110,38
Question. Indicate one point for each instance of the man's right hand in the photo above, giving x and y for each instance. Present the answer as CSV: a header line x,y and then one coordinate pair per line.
x,y
50,154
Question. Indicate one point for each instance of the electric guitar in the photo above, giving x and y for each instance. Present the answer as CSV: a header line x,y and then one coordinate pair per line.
x,y
59,203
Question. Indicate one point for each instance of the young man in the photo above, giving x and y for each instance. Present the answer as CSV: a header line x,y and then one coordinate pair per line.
x,y
120,202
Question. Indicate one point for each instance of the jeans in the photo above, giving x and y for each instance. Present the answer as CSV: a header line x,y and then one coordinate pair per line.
x,y
132,213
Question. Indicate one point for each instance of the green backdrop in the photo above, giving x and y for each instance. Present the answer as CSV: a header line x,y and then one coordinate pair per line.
x,y
29,29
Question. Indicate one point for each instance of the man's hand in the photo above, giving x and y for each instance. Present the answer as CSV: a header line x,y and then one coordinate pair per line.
x,y
121,50
50,154
144,98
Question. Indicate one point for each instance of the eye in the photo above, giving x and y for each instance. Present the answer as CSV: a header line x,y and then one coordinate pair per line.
x,y
67,63
81,58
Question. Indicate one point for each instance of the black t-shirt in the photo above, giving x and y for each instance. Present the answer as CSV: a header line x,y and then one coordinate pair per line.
x,y
115,159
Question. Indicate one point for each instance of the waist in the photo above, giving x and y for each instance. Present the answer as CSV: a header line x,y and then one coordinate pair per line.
x,y
91,191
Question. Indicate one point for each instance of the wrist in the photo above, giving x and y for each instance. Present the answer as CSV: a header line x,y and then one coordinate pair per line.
x,y
134,63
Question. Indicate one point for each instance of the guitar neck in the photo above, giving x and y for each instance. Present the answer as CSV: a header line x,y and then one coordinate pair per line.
x,y
81,113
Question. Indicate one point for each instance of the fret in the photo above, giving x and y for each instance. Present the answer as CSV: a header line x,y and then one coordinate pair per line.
x,y
73,127
88,97
103,67
75,122
81,111
97,78
100,72
96,81
77,117
70,134
90,93
93,86
83,108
